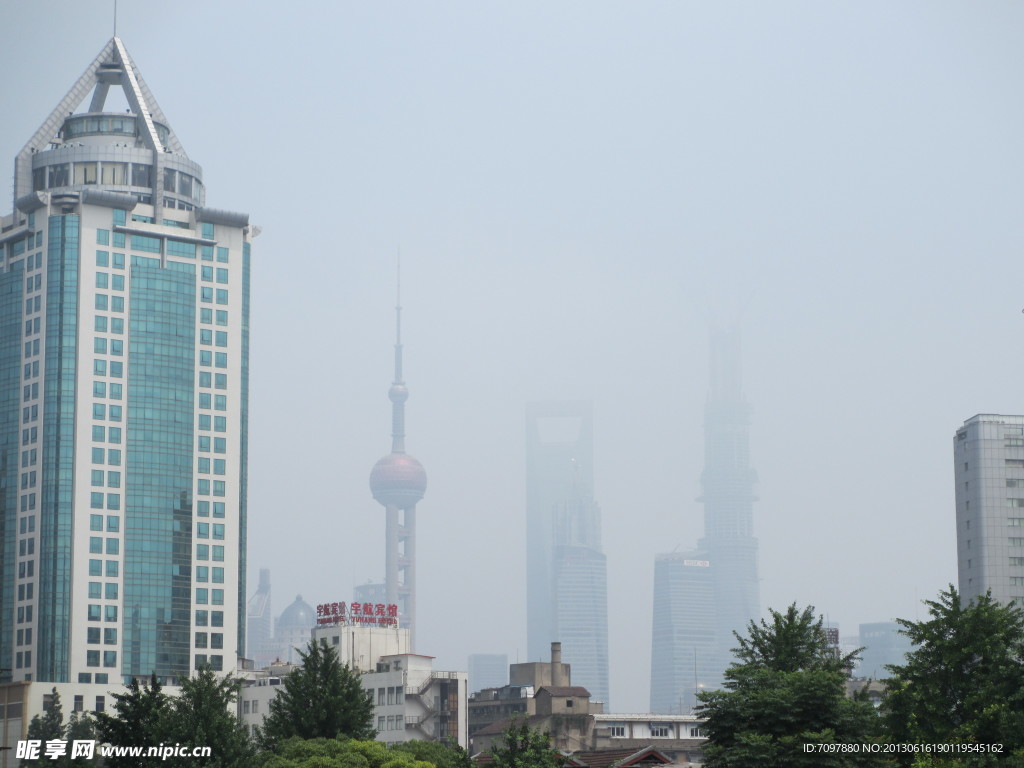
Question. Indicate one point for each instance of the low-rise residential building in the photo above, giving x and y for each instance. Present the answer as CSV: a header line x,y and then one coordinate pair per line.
x,y
411,699
575,722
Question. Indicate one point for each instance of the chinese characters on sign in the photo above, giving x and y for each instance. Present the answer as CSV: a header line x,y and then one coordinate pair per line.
x,y
376,614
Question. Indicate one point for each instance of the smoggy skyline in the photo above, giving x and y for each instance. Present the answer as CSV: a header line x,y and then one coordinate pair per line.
x,y
579,191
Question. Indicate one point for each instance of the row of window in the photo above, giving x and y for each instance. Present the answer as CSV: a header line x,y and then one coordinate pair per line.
x,y
96,568
103,591
92,658
116,260
101,678
214,662
93,635
391,723
206,596
109,613
219,468
205,552
206,274
390,695
205,573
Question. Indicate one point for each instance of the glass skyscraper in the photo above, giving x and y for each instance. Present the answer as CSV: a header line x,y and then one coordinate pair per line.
x,y
124,342
567,592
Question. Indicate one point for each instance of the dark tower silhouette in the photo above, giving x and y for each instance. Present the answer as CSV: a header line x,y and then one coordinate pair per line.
x,y
398,481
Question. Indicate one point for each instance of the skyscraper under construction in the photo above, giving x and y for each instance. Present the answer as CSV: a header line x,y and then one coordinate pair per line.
x,y
702,596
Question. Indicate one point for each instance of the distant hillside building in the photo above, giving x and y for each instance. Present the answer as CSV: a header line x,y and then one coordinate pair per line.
x,y
988,464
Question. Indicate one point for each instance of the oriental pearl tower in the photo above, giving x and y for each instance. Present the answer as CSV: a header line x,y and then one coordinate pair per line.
x,y
398,481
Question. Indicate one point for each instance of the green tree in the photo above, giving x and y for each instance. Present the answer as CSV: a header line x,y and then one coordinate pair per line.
x,y
339,753
441,755
785,690
139,720
963,682
50,726
203,715
323,698
524,747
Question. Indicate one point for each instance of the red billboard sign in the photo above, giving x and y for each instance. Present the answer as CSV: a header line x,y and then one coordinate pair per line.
x,y
372,614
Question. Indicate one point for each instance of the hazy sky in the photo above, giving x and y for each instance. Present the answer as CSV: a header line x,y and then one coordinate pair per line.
x,y
578,189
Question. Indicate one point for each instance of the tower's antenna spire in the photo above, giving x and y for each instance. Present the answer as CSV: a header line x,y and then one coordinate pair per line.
x,y
398,393
398,320
115,18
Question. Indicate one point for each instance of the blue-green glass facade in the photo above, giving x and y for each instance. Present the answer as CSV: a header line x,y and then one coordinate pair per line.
x,y
159,460
243,492
11,293
58,449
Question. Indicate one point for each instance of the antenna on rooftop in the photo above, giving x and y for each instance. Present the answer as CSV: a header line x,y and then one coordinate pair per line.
x,y
115,18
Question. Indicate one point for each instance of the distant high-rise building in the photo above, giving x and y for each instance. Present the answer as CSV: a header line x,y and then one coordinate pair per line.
x,y
370,592
728,482
487,670
124,344
988,463
566,569
883,645
728,548
398,481
260,633
686,654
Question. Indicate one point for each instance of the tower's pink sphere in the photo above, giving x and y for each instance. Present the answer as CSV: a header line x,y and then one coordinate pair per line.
x,y
398,480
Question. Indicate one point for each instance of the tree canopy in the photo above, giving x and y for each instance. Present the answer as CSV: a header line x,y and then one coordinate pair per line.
x,y
50,726
785,690
202,714
963,681
524,747
323,698
354,753
138,720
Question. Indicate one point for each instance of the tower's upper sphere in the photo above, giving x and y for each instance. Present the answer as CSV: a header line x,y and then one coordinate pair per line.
x,y
398,480
398,393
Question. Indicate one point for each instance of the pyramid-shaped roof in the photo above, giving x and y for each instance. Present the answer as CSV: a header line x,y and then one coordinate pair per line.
x,y
112,66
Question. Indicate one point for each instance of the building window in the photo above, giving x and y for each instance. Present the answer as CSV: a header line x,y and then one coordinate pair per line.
x,y
659,731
